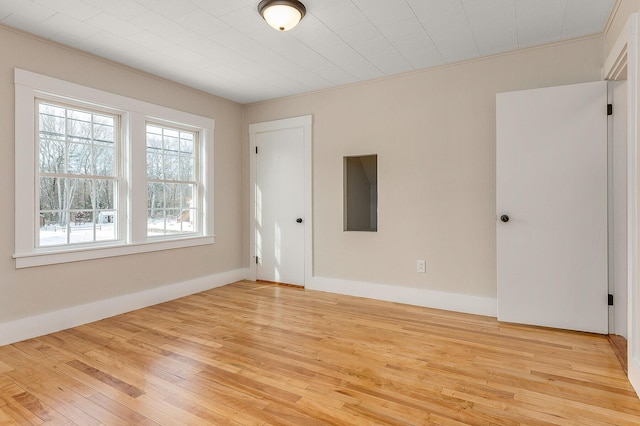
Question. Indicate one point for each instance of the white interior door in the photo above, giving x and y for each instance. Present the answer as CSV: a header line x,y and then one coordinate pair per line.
x,y
552,184
280,205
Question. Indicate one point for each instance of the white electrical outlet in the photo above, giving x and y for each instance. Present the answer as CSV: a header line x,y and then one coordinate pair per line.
x,y
421,266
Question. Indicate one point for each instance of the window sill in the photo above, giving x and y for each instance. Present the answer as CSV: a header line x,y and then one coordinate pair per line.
x,y
28,260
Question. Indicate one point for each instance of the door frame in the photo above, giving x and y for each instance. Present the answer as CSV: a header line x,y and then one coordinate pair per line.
x,y
624,57
305,122
617,205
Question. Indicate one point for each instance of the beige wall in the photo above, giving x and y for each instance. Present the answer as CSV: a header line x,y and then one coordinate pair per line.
x,y
30,291
434,133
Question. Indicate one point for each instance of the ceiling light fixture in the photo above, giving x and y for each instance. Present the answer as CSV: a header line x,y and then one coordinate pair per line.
x,y
282,14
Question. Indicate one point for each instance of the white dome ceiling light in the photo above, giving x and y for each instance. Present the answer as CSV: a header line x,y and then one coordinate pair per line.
x,y
282,14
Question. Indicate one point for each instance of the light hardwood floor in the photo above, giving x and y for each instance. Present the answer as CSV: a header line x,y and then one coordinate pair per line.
x,y
251,353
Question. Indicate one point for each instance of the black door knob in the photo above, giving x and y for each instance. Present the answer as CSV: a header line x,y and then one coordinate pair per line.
x,y
299,220
504,218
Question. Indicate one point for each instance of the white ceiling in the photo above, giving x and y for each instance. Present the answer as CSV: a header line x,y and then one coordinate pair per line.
x,y
225,48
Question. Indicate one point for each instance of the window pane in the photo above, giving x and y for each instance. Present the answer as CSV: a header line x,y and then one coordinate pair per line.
x,y
103,133
154,141
171,133
187,200
73,114
155,196
79,131
79,194
51,122
106,225
51,193
188,218
52,232
79,158
104,160
105,194
171,144
51,156
186,146
81,227
187,168
154,165
172,220
52,110
155,222
186,143
171,167
172,195
48,132
155,130
104,119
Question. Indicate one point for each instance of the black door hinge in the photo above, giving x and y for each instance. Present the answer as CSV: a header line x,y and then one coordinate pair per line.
x,y
257,260
609,109
256,149
611,300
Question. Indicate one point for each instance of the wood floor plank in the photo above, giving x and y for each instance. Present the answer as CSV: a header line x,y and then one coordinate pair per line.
x,y
333,416
12,408
126,414
262,354
51,403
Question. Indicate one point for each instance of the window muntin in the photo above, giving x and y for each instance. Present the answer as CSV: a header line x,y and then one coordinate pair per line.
x,y
77,151
173,205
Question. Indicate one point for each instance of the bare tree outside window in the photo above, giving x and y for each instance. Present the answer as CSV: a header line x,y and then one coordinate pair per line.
x,y
77,153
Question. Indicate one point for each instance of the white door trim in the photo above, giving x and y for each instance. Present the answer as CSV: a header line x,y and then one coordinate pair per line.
x,y
305,122
624,54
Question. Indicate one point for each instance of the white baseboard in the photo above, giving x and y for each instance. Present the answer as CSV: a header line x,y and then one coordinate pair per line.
x,y
50,322
478,305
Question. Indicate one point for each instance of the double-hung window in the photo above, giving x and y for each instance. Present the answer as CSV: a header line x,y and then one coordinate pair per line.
x,y
100,175
172,187
78,175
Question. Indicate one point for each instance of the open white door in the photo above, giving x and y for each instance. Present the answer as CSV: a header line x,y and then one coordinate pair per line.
x,y
552,207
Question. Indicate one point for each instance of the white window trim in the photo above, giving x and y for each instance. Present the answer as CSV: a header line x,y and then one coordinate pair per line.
x,y
28,87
